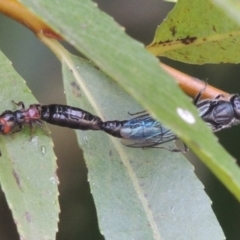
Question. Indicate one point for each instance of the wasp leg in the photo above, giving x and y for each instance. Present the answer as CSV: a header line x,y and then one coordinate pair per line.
x,y
19,104
185,150
17,129
199,95
136,113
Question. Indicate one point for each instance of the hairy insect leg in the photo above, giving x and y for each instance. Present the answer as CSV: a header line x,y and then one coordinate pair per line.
x,y
219,96
171,149
199,95
32,131
136,113
185,150
40,124
17,129
19,104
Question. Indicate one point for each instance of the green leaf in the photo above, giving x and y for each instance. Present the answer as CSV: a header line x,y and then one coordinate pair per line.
x,y
139,194
138,72
197,32
27,166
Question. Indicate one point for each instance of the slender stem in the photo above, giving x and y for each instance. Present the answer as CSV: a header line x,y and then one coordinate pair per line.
x,y
15,10
191,85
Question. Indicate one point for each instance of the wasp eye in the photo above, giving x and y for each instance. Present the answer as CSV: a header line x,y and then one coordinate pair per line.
x,y
236,106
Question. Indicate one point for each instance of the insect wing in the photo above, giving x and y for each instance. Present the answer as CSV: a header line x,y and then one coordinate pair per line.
x,y
144,131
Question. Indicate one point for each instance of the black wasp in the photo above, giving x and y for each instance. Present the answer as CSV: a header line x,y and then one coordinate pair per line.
x,y
220,113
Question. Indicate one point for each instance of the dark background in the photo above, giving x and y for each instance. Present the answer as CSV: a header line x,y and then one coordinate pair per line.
x,y
42,71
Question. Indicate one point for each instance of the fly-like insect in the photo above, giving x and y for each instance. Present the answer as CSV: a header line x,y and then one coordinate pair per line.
x,y
220,113
144,131
140,132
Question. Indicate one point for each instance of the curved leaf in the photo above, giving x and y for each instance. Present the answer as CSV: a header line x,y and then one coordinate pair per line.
x,y
139,194
125,60
27,166
197,32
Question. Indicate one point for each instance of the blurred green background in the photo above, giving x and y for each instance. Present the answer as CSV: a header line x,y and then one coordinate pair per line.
x,y
42,72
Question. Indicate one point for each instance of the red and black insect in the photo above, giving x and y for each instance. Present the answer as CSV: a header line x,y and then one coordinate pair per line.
x,y
61,115
13,121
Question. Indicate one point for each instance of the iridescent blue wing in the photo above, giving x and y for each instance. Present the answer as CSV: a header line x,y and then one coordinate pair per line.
x,y
144,131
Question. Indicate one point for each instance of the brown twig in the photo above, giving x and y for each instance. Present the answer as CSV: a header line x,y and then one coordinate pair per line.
x,y
17,11
191,85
